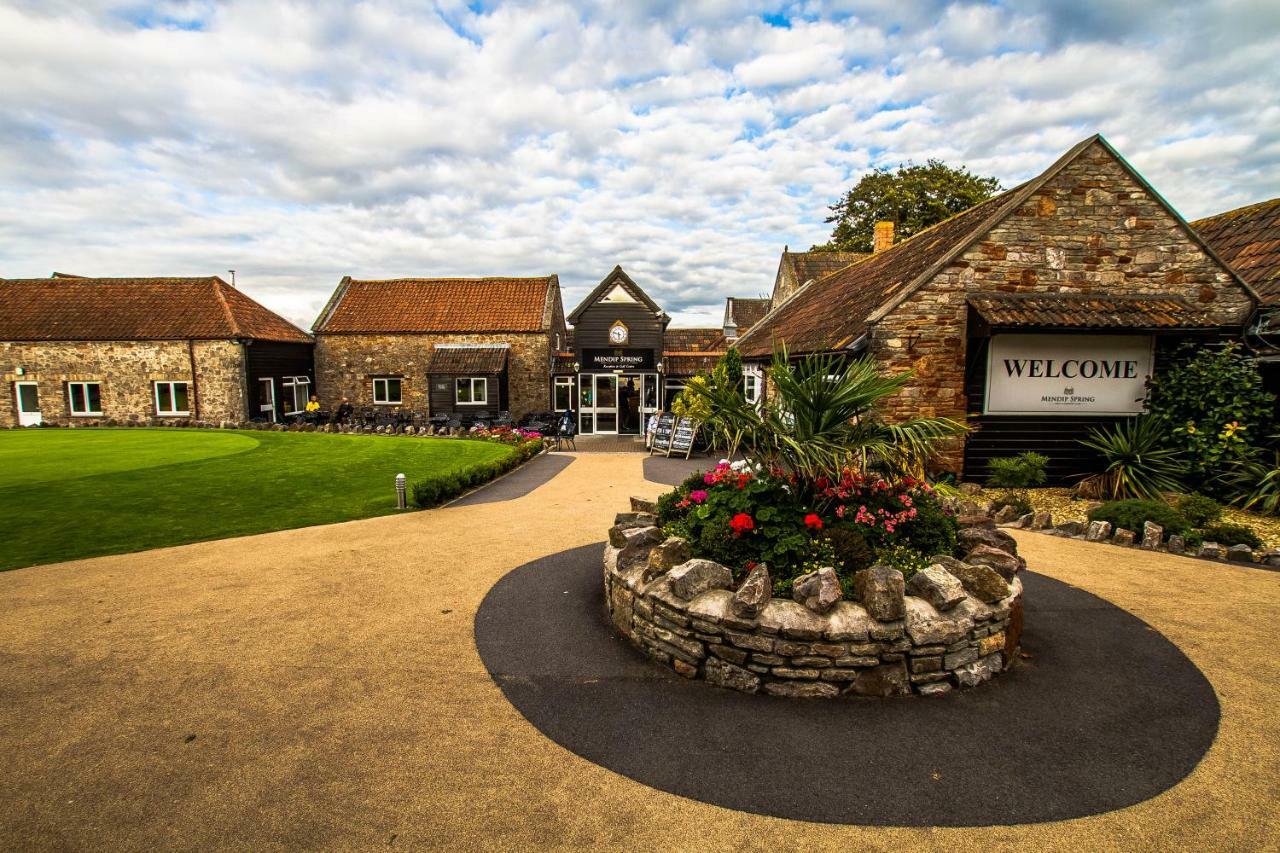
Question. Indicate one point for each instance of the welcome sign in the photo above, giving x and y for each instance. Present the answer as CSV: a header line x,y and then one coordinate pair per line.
x,y
1068,374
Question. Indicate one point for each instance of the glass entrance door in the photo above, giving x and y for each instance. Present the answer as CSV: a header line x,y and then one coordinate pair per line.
x,y
630,393
28,395
606,402
597,403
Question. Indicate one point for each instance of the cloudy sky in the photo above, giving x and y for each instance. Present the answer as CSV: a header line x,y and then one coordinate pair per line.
x,y
687,141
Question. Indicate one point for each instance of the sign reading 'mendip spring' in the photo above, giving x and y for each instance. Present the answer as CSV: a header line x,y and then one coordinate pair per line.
x,y
1068,374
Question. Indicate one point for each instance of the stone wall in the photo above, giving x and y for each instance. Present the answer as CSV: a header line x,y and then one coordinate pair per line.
x,y
1091,229
942,632
347,364
126,371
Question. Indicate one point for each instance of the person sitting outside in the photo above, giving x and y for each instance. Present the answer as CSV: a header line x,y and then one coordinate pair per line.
x,y
344,412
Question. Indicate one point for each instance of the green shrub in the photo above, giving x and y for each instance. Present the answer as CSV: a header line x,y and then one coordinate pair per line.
x,y
903,558
1230,534
426,493
1199,510
1137,464
1212,406
1018,500
1254,482
1131,514
852,553
1018,472
932,531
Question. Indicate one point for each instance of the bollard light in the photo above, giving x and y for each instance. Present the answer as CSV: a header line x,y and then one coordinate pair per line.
x,y
400,499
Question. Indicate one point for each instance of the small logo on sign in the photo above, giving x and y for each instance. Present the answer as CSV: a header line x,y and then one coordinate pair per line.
x,y
1068,391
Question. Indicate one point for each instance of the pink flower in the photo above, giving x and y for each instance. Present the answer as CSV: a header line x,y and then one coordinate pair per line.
x,y
709,479
698,496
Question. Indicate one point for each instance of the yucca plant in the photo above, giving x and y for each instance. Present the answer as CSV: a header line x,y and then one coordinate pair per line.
x,y
821,420
1137,465
1254,483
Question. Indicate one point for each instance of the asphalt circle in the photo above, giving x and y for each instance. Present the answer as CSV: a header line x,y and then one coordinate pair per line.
x,y
1104,713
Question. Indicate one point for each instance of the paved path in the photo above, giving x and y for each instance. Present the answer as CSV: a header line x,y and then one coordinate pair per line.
x,y
330,680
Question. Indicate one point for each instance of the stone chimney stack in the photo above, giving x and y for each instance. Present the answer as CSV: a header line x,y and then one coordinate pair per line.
x,y
883,238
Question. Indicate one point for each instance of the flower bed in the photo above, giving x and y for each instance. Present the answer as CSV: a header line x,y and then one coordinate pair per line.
x,y
875,632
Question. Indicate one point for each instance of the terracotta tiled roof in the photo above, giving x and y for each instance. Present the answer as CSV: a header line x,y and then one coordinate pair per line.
x,y
1088,311
744,313
462,359
417,305
830,313
811,266
688,351
69,308
1248,239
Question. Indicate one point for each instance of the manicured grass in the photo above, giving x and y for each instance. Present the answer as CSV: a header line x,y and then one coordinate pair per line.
x,y
66,494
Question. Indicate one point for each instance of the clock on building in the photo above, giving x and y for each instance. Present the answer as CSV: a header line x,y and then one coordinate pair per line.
x,y
618,333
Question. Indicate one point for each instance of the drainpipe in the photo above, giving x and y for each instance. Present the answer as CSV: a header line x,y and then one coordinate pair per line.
x,y
195,392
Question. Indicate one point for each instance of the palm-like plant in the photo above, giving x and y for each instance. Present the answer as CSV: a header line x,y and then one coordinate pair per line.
x,y
821,420
1137,466
1254,482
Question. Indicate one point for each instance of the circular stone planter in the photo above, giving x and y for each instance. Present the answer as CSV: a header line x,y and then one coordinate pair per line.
x,y
955,626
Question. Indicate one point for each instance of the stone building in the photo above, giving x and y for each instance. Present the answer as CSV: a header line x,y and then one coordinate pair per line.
x,y
796,269
455,346
1248,238
78,350
1033,316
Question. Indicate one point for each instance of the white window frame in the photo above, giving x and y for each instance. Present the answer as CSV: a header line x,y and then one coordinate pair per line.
x,y
385,381
291,384
471,386
155,393
567,382
84,393
751,387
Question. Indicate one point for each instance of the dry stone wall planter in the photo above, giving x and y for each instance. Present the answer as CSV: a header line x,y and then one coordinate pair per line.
x,y
955,626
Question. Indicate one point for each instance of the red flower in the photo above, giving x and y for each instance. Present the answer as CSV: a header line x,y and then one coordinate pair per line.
x,y
812,521
741,523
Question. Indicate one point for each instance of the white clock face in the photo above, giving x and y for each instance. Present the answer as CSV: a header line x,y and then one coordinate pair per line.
x,y
618,334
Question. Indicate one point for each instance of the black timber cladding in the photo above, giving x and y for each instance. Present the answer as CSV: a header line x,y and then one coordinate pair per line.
x,y
1055,436
593,319
275,360
443,398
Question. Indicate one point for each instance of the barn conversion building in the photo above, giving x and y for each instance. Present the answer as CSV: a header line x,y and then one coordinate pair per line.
x,y
79,350
1033,316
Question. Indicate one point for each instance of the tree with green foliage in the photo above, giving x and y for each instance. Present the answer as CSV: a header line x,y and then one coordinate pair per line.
x,y
913,197
728,370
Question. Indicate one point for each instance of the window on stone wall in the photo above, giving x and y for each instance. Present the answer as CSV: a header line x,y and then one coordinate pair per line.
x,y
172,398
84,398
387,391
751,387
471,390
564,393
297,391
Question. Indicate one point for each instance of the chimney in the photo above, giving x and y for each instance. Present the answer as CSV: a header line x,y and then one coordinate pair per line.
x,y
883,238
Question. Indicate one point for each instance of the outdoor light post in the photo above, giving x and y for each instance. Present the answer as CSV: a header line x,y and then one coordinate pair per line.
x,y
400,500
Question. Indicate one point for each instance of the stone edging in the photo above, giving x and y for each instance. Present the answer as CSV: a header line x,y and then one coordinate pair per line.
x,y
684,613
1152,538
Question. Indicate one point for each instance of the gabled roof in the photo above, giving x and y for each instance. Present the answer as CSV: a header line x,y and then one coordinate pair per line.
x,y
833,312
805,267
688,351
617,278
421,305
74,308
743,313
1089,311
1248,238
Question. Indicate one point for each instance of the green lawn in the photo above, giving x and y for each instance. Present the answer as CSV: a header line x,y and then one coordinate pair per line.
x,y
79,493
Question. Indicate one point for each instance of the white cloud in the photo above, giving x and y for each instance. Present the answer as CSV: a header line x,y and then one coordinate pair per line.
x,y
687,141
